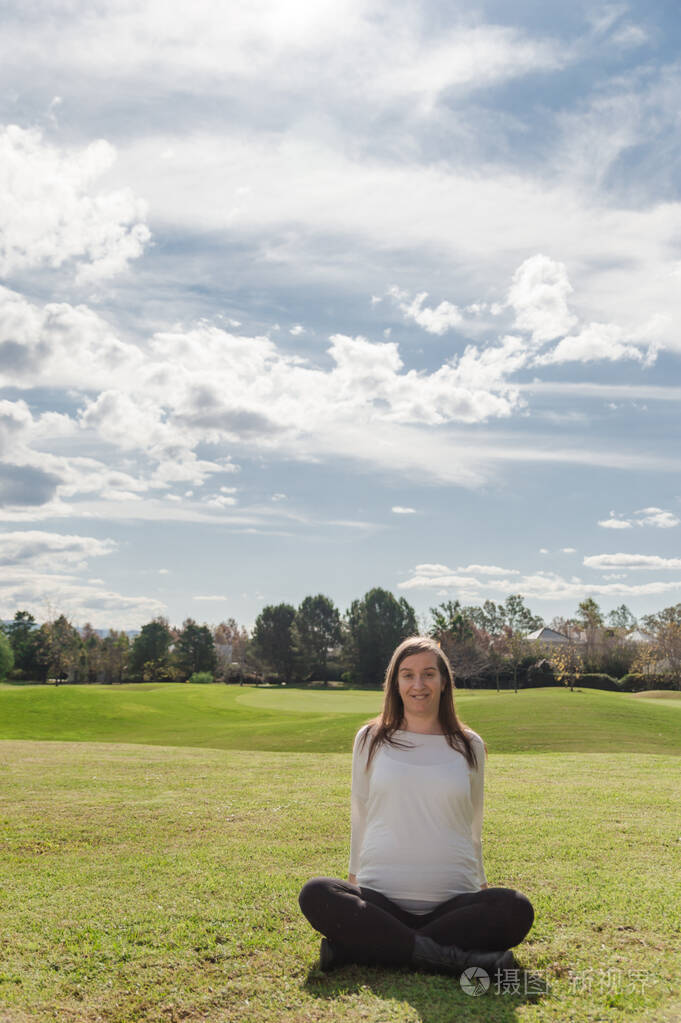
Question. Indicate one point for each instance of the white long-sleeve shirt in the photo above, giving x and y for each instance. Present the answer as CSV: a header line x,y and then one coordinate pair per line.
x,y
417,820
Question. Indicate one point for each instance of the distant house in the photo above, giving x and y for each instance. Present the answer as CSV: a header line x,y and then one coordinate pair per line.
x,y
638,636
660,667
548,636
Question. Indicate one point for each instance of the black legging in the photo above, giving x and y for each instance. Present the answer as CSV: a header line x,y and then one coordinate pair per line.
x,y
366,927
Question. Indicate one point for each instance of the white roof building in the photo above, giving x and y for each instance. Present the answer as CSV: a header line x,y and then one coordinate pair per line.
x,y
550,636
638,636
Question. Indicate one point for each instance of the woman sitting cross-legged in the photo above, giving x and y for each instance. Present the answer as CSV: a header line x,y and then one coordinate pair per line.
x,y
417,895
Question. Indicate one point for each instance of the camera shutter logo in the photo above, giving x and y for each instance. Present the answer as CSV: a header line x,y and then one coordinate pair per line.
x,y
474,980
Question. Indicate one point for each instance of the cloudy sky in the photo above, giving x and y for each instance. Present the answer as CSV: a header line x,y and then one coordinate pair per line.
x,y
302,298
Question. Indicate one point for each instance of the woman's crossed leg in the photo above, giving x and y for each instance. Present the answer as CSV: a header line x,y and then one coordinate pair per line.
x,y
367,927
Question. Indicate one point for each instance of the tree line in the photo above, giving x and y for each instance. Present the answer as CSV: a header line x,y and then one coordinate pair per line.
x,y
487,644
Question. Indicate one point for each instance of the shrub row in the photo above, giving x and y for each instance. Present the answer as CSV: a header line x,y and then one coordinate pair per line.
x,y
634,683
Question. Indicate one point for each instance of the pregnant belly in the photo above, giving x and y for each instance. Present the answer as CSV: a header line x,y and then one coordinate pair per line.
x,y
431,871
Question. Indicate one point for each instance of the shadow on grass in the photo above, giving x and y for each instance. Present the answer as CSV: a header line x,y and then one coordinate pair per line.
x,y
435,997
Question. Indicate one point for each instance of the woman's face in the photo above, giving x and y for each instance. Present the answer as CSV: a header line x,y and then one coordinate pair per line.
x,y
420,684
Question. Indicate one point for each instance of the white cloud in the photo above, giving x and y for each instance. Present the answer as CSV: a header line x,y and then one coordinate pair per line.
x,y
643,517
154,404
598,391
49,217
147,408
221,501
598,341
15,420
127,421
213,597
630,36
543,550
38,575
45,594
539,586
647,562
305,189
42,550
657,517
569,550
427,575
465,58
61,346
399,510
614,523
435,320
371,52
539,296
489,570
297,330
165,42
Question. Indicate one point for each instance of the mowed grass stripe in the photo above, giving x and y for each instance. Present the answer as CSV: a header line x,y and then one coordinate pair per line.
x,y
232,717
158,884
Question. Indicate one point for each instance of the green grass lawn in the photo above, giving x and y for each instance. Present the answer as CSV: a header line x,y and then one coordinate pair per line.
x,y
150,865
296,720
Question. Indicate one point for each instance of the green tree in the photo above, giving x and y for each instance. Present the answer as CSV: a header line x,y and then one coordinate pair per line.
x,y
589,614
465,642
448,616
668,616
468,650
115,654
58,648
520,652
589,618
273,638
6,656
491,618
194,649
317,627
373,627
498,653
90,668
517,616
22,633
665,628
150,656
622,618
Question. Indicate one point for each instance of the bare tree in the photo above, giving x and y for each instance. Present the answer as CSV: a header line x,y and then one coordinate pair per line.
x,y
231,643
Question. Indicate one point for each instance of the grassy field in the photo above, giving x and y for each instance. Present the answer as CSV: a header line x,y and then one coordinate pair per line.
x,y
151,860
297,720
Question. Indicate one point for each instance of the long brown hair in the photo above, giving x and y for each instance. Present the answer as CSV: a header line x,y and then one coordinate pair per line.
x,y
382,728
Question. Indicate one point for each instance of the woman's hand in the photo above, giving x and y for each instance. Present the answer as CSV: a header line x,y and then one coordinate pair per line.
x,y
352,878
483,886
